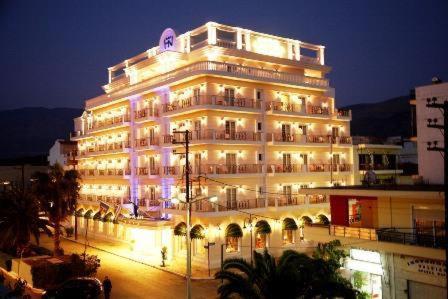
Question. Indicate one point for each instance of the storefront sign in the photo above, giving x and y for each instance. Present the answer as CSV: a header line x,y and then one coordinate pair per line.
x,y
427,266
167,40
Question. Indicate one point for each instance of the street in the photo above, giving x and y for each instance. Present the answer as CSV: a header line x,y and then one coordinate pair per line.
x,y
134,280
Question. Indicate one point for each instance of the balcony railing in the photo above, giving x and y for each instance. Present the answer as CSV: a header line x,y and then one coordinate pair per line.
x,y
411,236
298,138
148,170
109,122
146,113
225,69
302,168
285,107
369,166
210,135
104,172
106,198
104,148
317,110
353,232
146,141
213,100
343,113
291,168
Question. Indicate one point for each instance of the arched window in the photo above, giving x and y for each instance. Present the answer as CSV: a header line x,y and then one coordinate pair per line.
x,y
233,236
289,227
262,230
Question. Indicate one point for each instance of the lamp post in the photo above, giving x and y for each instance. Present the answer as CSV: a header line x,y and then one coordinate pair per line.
x,y
249,223
188,202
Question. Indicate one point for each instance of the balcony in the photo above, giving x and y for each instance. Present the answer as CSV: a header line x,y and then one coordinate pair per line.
x,y
212,102
343,114
225,205
410,236
146,114
353,232
148,171
288,139
310,168
297,109
212,136
104,198
101,149
215,169
147,143
98,173
223,69
108,123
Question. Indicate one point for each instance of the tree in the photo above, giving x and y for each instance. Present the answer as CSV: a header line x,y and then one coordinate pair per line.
x,y
19,220
331,252
57,192
294,275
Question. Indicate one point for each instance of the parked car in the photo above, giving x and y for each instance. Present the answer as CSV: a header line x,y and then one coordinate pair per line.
x,y
79,287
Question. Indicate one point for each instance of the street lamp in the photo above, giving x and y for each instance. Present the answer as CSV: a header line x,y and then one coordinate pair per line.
x,y
250,225
188,203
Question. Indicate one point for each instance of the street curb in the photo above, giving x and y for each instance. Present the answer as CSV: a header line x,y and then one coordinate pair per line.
x,y
140,262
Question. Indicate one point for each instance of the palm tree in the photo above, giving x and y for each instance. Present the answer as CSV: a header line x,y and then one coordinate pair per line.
x,y
294,275
19,220
58,193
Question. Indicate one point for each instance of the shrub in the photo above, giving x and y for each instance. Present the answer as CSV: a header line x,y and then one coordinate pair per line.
x,y
163,253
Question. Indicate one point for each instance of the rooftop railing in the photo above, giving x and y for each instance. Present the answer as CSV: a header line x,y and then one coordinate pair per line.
x,y
228,69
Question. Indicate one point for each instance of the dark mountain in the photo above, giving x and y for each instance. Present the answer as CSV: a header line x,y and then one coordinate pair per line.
x,y
382,119
32,131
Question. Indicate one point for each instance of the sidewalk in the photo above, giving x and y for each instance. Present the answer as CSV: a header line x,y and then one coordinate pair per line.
x,y
176,266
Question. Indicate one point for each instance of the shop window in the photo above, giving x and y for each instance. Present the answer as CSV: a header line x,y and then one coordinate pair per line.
x,y
288,237
232,244
260,241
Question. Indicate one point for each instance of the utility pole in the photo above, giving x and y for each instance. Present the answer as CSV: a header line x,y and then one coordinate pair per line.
x,y
186,142
432,146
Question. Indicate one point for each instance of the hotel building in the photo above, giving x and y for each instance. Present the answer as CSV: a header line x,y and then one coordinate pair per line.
x,y
260,110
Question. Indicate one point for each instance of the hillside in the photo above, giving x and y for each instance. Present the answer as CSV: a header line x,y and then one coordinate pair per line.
x,y
382,119
32,131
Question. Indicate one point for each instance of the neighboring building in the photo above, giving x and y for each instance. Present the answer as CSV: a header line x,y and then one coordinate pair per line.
x,y
18,174
63,152
430,163
262,117
375,155
400,231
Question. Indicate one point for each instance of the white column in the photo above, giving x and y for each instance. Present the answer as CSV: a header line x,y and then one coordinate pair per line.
x,y
211,29
297,50
321,55
110,75
247,38
290,54
239,39
187,42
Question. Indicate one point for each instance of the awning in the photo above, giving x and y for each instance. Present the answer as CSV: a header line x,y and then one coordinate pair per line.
x,y
262,227
180,229
79,213
197,232
108,217
307,220
289,224
233,230
88,214
323,219
97,216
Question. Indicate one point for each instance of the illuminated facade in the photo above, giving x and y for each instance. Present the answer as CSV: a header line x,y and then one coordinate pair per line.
x,y
260,110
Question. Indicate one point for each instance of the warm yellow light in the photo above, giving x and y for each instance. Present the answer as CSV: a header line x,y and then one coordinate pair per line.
x,y
174,201
213,198
268,46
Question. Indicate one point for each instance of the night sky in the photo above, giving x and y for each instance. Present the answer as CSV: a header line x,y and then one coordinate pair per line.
x,y
55,53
